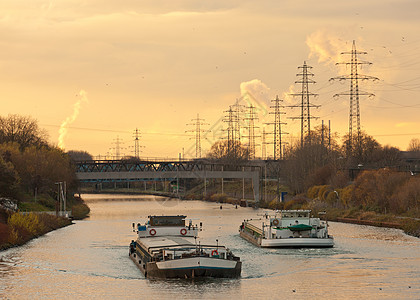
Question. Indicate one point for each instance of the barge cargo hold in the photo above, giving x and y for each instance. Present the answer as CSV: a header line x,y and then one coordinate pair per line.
x,y
168,248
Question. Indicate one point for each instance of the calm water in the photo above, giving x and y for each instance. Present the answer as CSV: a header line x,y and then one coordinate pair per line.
x,y
89,260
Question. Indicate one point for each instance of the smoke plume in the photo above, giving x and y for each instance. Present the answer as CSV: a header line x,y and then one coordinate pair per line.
x,y
326,46
256,92
69,120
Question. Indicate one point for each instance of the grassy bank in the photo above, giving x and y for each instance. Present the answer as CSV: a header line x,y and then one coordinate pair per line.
x,y
21,228
410,226
18,228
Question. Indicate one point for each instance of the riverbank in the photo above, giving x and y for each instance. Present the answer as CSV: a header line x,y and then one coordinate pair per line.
x,y
17,229
409,225
21,228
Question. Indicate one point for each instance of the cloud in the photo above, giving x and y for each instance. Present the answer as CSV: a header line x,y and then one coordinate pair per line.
x,y
406,124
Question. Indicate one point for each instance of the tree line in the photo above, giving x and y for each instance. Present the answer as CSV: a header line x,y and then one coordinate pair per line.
x,y
30,167
369,177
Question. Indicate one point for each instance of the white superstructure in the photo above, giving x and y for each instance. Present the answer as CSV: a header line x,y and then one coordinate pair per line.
x,y
287,228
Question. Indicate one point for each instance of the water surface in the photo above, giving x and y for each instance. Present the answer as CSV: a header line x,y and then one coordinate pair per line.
x,y
89,260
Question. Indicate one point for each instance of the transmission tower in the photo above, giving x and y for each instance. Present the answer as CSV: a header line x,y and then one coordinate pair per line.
x,y
252,117
117,147
277,133
263,145
305,105
238,110
354,93
137,146
197,131
230,119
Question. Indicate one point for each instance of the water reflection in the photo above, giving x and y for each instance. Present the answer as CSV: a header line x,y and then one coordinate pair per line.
x,y
90,259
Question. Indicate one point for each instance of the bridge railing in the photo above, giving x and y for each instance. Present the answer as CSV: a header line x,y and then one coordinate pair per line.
x,y
142,166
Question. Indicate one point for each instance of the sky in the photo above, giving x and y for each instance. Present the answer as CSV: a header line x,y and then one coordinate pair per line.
x,y
91,72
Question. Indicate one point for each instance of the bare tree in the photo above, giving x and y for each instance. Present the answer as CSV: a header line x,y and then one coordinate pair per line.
x,y
414,145
22,130
229,153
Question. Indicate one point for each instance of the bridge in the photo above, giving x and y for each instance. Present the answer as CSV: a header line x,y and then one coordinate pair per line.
x,y
135,170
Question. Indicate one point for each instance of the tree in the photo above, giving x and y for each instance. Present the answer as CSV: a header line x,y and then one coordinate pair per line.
x,y
79,155
39,168
22,130
314,163
363,150
233,154
9,179
414,145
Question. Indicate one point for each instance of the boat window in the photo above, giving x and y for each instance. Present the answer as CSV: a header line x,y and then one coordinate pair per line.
x,y
167,220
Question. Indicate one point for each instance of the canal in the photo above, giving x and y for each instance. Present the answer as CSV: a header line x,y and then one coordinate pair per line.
x,y
89,260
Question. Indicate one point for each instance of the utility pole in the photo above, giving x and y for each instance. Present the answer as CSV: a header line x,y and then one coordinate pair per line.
x,y
329,135
305,105
277,141
197,131
354,93
252,117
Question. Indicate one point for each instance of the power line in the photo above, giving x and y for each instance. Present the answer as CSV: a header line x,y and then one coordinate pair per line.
x,y
115,131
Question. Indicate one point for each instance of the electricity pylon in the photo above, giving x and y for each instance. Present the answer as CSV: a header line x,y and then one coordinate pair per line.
x,y
305,105
230,119
137,146
117,147
263,145
252,117
197,130
238,110
277,133
354,93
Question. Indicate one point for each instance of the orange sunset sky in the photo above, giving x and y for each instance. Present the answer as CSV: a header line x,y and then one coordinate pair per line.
x,y
102,68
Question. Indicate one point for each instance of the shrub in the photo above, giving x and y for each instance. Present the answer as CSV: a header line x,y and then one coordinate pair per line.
x,y
80,211
32,206
411,227
313,192
218,198
47,201
29,222
297,203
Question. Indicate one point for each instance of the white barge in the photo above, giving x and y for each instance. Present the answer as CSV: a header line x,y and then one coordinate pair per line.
x,y
167,248
289,229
